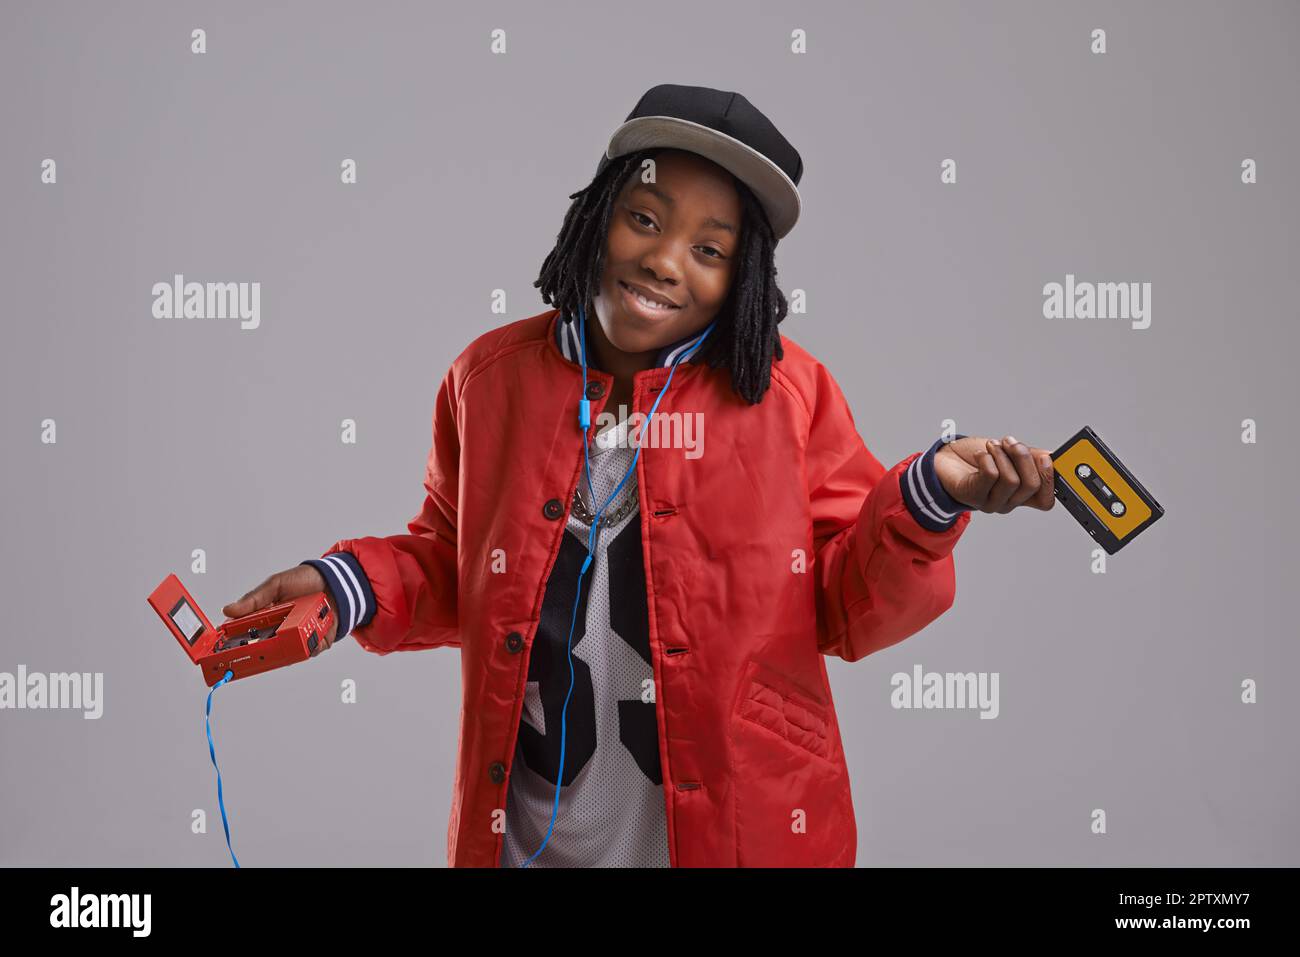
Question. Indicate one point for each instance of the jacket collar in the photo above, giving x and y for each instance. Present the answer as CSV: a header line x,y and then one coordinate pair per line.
x,y
566,337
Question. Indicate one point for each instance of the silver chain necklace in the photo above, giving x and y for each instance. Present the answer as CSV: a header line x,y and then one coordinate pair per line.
x,y
586,513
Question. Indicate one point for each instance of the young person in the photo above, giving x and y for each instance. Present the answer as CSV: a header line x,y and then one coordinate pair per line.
x,y
648,518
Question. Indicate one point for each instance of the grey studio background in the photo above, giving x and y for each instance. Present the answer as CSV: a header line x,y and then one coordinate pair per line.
x,y
1120,691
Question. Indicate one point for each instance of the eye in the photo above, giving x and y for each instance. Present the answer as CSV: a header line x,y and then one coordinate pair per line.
x,y
650,223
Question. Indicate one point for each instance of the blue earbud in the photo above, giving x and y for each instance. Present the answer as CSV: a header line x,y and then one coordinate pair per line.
x,y
584,420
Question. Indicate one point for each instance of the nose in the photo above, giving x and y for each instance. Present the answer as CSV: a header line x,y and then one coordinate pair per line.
x,y
664,261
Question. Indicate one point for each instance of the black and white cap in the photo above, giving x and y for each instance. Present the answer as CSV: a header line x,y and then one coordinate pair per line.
x,y
725,128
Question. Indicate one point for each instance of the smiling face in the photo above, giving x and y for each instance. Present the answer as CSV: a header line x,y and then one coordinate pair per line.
x,y
675,241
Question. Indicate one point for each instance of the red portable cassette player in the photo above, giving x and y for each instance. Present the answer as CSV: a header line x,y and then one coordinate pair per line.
x,y
269,638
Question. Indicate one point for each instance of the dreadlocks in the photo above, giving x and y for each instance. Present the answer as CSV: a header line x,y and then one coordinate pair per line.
x,y
745,340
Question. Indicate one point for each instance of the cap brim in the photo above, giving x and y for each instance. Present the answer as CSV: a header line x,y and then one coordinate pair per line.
x,y
773,188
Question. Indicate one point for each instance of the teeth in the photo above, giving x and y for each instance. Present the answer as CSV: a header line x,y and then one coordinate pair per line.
x,y
647,302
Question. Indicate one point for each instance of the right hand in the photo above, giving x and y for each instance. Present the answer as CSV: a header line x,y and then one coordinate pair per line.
x,y
286,586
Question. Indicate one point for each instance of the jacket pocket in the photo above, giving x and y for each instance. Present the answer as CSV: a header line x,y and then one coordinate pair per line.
x,y
772,701
790,787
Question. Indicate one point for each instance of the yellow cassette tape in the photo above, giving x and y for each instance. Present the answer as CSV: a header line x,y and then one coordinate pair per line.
x,y
1103,496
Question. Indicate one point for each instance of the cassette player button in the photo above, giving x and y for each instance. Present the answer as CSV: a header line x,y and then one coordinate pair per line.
x,y
312,643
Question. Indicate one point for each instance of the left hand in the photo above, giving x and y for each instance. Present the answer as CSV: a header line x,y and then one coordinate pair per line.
x,y
994,475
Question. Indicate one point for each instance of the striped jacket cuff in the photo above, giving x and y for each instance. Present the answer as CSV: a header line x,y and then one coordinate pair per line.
x,y
932,507
349,590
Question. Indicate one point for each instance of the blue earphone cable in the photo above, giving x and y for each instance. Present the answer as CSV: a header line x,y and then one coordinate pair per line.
x,y
584,420
212,752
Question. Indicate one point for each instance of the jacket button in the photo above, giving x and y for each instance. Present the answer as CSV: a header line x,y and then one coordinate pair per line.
x,y
553,509
497,771
514,641
595,390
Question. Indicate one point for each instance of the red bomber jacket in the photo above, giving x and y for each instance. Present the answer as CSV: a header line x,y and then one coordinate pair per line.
x,y
784,542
